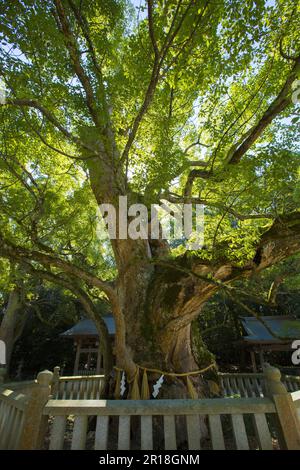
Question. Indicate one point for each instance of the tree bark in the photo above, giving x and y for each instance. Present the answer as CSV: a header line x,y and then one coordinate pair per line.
x,y
158,305
13,321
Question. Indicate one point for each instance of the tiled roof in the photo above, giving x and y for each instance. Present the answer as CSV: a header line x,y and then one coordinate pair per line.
x,y
87,327
287,327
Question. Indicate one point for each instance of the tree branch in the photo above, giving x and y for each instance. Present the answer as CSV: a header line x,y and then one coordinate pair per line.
x,y
284,54
194,200
84,25
71,45
155,75
24,102
151,28
88,306
188,148
279,242
11,251
258,318
35,104
279,104
204,174
274,289
86,33
19,177
198,163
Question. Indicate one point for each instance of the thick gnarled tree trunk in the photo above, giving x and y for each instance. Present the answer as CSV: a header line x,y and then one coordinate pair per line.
x,y
155,299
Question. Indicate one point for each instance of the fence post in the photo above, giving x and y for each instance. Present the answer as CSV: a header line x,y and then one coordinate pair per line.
x,y
55,381
285,408
35,424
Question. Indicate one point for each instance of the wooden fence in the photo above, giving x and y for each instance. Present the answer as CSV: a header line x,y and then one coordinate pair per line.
x,y
22,423
252,385
232,385
34,421
87,387
12,407
115,423
239,423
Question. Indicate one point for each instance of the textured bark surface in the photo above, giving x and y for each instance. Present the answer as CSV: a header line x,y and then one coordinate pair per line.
x,y
13,321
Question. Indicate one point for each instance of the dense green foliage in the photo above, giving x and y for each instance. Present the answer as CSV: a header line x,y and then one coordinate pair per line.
x,y
212,93
164,99
40,347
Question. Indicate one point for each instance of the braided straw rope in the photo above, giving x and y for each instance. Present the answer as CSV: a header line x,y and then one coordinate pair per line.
x,y
173,374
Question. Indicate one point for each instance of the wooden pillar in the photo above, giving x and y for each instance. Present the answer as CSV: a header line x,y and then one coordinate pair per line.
x,y
35,423
89,358
286,411
261,358
77,357
253,362
99,361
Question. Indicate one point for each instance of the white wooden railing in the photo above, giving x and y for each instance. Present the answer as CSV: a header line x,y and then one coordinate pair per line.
x,y
296,401
252,385
244,385
22,424
38,420
227,425
87,387
12,407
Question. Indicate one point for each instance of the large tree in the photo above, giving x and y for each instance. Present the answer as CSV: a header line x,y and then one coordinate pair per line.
x,y
14,311
186,101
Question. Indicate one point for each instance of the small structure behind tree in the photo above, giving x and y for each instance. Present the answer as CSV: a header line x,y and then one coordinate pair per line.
x,y
89,358
259,339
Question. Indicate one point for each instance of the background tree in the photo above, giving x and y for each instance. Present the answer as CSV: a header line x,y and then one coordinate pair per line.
x,y
14,316
187,101
51,311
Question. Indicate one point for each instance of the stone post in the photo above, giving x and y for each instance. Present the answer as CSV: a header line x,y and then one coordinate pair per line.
x,y
285,408
35,424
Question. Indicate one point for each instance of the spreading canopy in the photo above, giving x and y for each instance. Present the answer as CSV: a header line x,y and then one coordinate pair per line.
x,y
191,101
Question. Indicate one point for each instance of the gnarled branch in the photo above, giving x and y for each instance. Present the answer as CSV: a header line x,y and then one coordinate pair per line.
x,y
279,104
71,45
17,253
194,200
25,102
88,306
